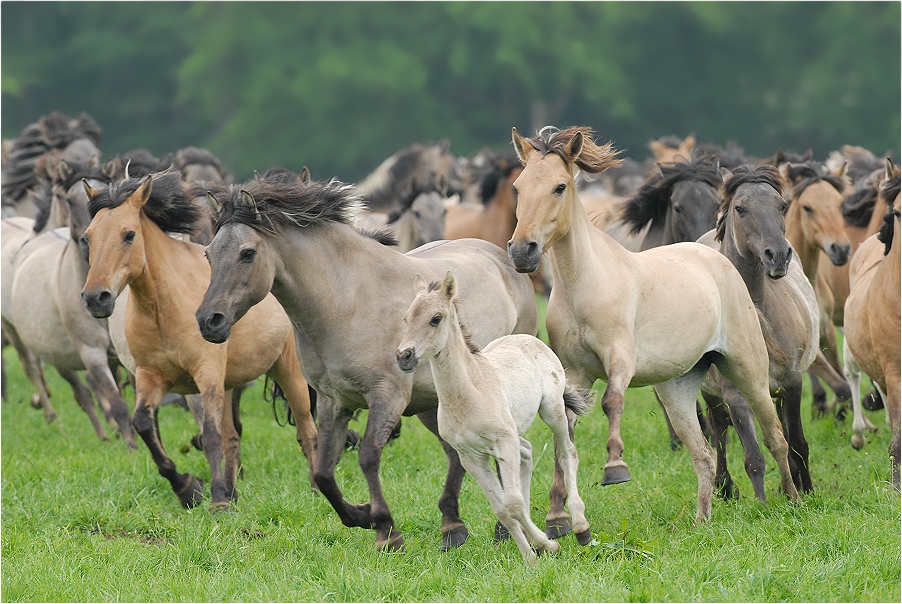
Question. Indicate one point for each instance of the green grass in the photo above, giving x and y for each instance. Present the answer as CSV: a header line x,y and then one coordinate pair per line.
x,y
84,520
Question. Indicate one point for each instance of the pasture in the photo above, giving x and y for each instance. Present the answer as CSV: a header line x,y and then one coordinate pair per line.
x,y
84,520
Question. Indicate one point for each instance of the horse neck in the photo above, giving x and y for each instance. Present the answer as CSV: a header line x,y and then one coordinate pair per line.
x,y
164,258
570,254
501,216
808,251
454,366
749,267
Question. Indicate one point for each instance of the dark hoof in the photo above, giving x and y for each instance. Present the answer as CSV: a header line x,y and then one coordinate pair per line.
x,y
584,537
819,406
131,445
454,538
192,493
616,475
557,528
197,441
352,440
873,401
395,543
218,507
675,444
727,491
501,532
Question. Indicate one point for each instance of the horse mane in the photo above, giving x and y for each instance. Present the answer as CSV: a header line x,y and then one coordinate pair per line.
x,y
471,345
858,206
592,158
197,156
889,190
383,235
389,181
501,168
279,205
731,156
167,207
652,199
41,195
743,175
59,130
806,174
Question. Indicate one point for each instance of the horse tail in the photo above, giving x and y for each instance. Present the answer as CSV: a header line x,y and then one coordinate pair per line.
x,y
578,400
276,393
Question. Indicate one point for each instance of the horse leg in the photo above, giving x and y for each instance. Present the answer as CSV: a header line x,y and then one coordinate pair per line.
x,y
149,390
333,425
85,401
749,373
743,421
852,373
616,470
720,423
231,440
32,366
818,395
384,412
679,396
790,405
675,441
287,374
822,368
454,531
565,457
213,392
892,403
102,382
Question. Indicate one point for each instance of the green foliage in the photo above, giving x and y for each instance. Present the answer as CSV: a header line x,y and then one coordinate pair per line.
x,y
340,86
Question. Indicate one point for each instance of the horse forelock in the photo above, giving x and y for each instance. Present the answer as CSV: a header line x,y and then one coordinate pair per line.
x,y
284,204
592,158
167,206
858,206
806,174
652,200
743,175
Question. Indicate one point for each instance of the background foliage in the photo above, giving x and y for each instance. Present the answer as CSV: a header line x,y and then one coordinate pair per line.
x,y
339,86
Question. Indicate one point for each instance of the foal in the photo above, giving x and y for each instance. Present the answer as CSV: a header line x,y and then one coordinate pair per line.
x,y
487,400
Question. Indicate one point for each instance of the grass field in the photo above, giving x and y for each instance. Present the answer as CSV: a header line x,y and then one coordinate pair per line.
x,y
84,520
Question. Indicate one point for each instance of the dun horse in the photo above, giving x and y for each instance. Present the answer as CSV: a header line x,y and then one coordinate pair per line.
x,y
750,234
872,316
346,293
487,399
659,317
128,245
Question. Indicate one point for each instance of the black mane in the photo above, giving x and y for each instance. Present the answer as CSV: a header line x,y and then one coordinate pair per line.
x,y
167,207
743,175
501,168
806,174
197,156
652,200
858,206
889,190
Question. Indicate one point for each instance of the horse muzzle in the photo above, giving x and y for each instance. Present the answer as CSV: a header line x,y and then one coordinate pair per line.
x,y
99,302
776,261
213,326
407,360
838,253
525,255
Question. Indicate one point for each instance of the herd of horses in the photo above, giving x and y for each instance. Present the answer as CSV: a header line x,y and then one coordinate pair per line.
x,y
414,292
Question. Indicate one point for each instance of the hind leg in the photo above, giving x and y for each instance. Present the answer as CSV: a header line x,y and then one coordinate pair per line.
x,y
790,406
720,423
454,531
104,385
679,396
743,421
35,372
860,422
85,401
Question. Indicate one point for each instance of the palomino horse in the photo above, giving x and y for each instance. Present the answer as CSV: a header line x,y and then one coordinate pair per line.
x,y
750,234
814,223
487,399
346,294
128,245
659,317
872,316
46,313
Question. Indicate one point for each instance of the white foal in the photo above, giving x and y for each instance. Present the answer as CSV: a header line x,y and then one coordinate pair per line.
x,y
487,400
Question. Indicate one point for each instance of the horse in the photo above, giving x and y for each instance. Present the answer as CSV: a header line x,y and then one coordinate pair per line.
x,y
814,223
671,149
200,169
659,317
346,293
872,311
422,222
750,234
487,399
46,314
128,244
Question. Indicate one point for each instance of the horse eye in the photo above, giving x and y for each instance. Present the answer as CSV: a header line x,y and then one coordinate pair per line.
x,y
808,209
248,255
129,237
560,189
678,209
740,210
783,208
84,241
436,320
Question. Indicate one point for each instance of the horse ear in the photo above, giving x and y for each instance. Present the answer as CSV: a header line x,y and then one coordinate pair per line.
x,y
890,169
248,200
140,197
842,173
522,146
304,176
725,174
808,155
90,191
688,143
257,176
449,286
783,169
215,206
575,146
419,284
63,170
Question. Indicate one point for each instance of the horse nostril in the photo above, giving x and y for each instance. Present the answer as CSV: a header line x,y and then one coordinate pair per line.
x,y
509,244
532,247
104,297
769,254
215,320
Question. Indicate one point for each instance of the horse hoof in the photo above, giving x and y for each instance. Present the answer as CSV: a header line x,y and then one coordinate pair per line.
x,y
501,533
557,528
616,475
220,507
395,543
193,492
50,417
584,537
352,440
35,402
857,442
454,538
196,442
872,402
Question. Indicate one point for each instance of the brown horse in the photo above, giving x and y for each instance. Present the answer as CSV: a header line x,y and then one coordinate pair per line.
x,y
814,223
872,314
128,245
660,317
